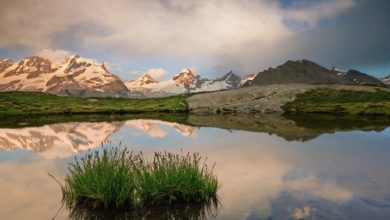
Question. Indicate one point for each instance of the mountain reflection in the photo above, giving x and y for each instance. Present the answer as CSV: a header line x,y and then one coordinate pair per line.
x,y
65,139
292,127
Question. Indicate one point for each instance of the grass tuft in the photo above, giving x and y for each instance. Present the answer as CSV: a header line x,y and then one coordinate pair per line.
x,y
119,178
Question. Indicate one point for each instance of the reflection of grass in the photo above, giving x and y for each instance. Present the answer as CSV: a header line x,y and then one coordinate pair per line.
x,y
195,211
35,103
340,102
117,178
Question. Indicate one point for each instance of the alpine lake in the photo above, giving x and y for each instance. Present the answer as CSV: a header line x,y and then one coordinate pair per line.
x,y
268,166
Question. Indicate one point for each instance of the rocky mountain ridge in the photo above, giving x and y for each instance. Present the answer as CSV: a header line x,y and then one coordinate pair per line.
x,y
308,72
186,81
78,76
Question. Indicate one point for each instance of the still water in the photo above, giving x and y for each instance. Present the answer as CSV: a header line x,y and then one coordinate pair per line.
x,y
269,166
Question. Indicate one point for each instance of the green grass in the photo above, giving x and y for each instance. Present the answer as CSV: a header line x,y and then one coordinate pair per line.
x,y
117,178
35,103
341,102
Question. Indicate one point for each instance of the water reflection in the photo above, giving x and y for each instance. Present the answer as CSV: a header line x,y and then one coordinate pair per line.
x,y
186,212
340,171
292,127
65,139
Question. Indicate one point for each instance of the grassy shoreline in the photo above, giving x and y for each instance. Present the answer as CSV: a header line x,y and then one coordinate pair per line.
x,y
334,101
36,103
319,100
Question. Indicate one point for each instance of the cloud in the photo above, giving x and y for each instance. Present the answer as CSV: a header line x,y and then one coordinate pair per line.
x,y
245,36
303,213
156,73
319,11
54,56
113,67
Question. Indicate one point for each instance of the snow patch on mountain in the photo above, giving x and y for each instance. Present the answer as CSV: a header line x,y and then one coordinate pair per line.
x,y
386,80
338,72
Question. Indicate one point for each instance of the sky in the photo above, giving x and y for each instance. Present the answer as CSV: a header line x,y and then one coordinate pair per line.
x,y
212,37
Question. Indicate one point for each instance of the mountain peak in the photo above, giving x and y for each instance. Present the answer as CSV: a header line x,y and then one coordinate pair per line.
x,y
228,75
146,79
357,77
300,71
230,79
4,64
185,77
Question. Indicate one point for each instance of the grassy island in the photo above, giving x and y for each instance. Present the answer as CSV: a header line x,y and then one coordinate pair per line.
x,y
335,101
117,178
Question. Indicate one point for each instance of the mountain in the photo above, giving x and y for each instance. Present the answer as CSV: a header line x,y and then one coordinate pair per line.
x,y
75,76
247,78
78,76
302,71
386,80
186,81
356,77
308,72
227,81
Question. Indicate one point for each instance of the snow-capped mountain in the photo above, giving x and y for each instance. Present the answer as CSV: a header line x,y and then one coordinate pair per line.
x,y
186,81
386,80
78,76
75,76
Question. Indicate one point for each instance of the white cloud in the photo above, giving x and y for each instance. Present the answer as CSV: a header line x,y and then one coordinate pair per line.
x,y
113,67
206,31
303,213
156,73
54,56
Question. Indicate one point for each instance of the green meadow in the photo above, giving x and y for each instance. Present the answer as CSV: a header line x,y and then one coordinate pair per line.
x,y
341,102
36,103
